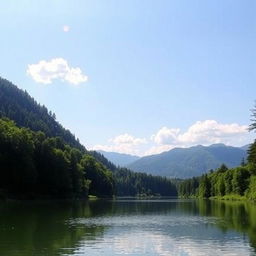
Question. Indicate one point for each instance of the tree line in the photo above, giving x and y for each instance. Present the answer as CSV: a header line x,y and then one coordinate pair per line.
x,y
130,183
33,165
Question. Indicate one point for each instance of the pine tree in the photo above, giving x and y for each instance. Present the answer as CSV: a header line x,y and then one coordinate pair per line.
x,y
253,119
252,148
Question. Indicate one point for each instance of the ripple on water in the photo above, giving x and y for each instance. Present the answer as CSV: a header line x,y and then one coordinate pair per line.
x,y
160,235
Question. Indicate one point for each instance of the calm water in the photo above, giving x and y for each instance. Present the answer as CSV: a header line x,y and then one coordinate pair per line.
x,y
128,227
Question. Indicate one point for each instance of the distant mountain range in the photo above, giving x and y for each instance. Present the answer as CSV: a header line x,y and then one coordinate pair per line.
x,y
118,158
183,162
189,162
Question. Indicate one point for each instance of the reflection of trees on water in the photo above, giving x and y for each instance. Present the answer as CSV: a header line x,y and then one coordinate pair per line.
x,y
44,228
233,215
30,228
239,216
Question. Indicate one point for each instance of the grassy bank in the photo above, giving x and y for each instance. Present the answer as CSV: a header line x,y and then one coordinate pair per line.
x,y
231,197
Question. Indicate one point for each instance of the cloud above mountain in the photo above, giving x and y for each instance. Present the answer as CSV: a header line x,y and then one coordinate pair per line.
x,y
46,72
205,132
123,143
201,132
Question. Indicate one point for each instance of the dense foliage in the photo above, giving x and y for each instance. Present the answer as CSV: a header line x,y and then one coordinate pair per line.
x,y
224,182
130,183
32,164
188,187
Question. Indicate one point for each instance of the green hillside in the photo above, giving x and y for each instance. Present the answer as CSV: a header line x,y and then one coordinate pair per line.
x,y
189,162
40,158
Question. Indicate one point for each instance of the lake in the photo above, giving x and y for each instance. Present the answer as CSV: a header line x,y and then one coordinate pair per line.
x,y
127,227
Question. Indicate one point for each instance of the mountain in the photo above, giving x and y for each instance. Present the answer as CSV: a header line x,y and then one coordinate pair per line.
x,y
20,107
189,162
118,158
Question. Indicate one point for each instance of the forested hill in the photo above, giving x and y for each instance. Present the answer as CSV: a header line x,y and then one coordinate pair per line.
x,y
33,165
19,106
39,156
190,162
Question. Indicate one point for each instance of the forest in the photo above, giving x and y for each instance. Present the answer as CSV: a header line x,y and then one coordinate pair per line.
x,y
224,183
33,164
41,159
141,184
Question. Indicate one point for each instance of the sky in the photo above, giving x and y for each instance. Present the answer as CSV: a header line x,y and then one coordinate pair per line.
x,y
136,76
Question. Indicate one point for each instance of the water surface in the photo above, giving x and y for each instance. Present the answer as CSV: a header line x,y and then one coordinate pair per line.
x,y
128,227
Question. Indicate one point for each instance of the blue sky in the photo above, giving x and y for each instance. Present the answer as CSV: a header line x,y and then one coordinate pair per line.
x,y
136,76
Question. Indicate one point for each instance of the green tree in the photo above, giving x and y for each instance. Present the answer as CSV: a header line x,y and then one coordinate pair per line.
x,y
102,183
252,153
228,176
221,185
252,149
204,187
223,168
240,180
253,119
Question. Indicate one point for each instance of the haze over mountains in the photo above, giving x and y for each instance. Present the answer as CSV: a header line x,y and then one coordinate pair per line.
x,y
119,159
184,162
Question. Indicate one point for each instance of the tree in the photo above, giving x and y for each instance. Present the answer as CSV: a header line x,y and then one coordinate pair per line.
x,y
253,119
240,180
252,149
228,176
243,162
205,187
223,168
221,185
252,153
102,183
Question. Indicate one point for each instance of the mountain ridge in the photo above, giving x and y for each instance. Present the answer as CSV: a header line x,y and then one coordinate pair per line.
x,y
119,159
189,162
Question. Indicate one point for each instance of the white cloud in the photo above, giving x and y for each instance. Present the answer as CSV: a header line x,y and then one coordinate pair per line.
x,y
166,136
127,139
46,71
123,143
210,131
205,133
202,132
66,28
